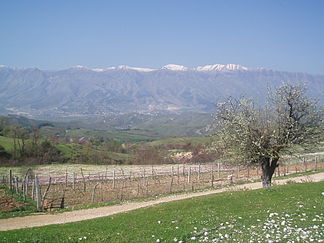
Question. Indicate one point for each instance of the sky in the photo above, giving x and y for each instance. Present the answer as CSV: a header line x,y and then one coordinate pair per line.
x,y
278,34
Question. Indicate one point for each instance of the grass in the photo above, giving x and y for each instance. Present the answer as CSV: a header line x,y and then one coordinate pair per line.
x,y
7,143
282,214
181,141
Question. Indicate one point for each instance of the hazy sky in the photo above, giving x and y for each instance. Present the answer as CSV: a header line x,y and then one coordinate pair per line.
x,y
278,34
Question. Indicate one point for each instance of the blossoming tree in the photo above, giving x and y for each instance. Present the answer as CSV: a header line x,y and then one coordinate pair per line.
x,y
262,134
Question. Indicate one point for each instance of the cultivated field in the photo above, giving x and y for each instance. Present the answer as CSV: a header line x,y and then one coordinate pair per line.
x,y
66,186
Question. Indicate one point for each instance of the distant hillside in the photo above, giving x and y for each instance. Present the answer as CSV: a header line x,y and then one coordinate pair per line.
x,y
81,91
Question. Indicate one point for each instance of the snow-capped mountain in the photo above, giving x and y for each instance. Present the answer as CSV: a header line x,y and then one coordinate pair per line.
x,y
86,91
172,67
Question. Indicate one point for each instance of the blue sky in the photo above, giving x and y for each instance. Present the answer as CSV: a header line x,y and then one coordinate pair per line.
x,y
279,34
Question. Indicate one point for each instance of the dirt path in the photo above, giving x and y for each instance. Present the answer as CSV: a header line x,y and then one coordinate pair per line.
x,y
79,215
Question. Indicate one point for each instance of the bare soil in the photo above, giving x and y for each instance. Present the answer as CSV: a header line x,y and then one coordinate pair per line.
x,y
8,203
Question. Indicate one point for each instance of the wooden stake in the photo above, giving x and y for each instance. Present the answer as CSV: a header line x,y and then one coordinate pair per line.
x,y
66,177
47,189
94,192
10,180
305,164
178,173
17,186
170,189
84,183
38,194
114,179
212,177
74,179
33,189
183,170
198,173
189,172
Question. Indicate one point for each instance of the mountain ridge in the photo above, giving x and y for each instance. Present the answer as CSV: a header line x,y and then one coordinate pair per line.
x,y
172,67
81,91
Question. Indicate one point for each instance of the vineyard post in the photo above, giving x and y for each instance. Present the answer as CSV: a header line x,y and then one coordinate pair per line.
x,y
230,177
24,189
198,173
178,174
257,171
146,186
287,169
101,192
218,170
171,183
316,163
238,172
144,178
305,164
66,177
47,189
33,189
26,184
84,183
17,186
114,179
248,172
63,199
10,180
189,172
296,169
212,175
183,169
74,180
94,192
106,173
38,194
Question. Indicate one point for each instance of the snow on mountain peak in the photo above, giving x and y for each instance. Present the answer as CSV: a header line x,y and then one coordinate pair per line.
x,y
175,67
123,67
171,67
221,67
79,67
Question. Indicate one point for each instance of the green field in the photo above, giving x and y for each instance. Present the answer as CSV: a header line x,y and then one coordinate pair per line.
x,y
290,213
7,143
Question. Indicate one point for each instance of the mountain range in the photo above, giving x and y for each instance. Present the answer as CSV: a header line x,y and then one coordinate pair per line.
x,y
81,91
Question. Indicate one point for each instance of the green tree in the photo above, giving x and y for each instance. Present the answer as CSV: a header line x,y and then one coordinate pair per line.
x,y
261,135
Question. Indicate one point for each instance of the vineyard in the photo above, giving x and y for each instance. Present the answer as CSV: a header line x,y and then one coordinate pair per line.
x,y
68,187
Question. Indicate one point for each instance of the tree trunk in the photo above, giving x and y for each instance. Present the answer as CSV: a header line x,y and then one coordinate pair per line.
x,y
268,166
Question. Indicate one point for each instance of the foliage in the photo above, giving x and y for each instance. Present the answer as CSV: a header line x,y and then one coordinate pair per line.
x,y
4,154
